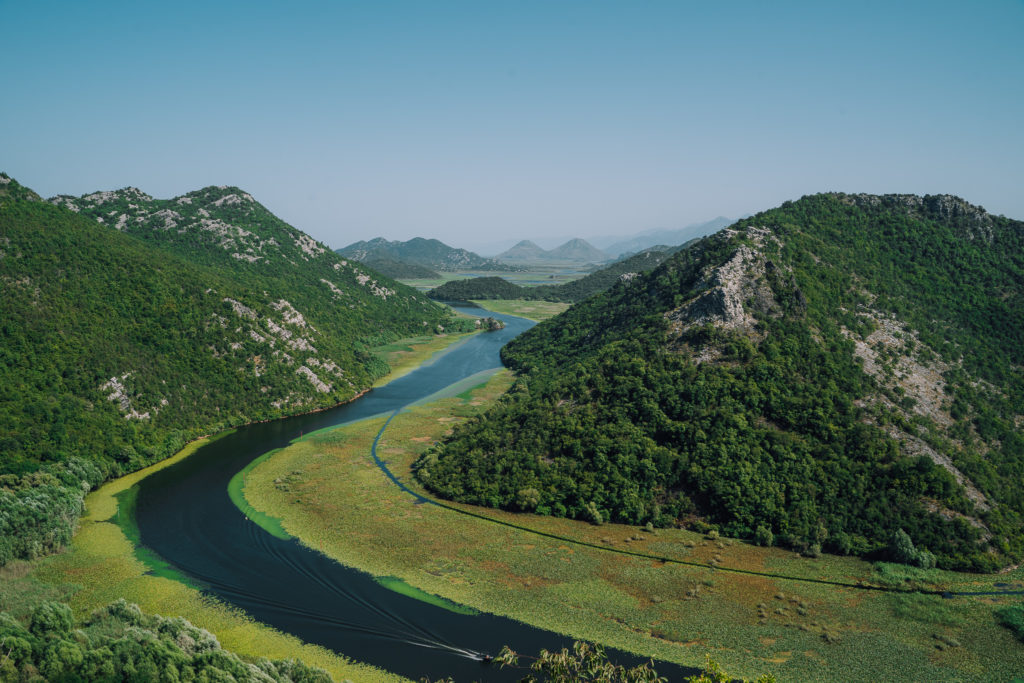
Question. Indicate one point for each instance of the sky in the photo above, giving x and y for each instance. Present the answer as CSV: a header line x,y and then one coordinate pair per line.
x,y
480,122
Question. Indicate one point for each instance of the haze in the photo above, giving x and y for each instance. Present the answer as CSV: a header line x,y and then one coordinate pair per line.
x,y
474,122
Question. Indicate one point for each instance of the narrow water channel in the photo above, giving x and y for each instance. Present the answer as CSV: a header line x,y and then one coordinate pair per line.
x,y
185,515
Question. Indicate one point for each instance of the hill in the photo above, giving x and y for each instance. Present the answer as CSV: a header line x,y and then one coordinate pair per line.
x,y
396,270
577,250
117,349
821,375
524,251
429,253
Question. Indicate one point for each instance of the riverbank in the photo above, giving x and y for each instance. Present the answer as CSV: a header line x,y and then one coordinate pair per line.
x,y
103,564
531,310
751,624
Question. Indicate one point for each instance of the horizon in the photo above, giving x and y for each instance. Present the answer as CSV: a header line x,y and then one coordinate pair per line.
x,y
467,123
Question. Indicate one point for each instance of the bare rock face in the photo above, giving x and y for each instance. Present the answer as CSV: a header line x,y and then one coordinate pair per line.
x,y
732,292
974,221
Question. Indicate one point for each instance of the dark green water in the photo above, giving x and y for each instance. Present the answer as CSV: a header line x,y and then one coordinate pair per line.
x,y
184,514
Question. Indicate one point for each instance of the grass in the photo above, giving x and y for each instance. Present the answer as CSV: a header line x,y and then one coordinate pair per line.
x,y
393,583
751,624
533,310
406,355
103,565
236,488
104,561
553,274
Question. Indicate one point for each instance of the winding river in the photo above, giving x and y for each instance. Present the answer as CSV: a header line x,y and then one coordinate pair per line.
x,y
185,515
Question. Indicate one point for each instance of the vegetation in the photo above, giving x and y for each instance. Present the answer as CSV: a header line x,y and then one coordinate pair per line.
x,y
571,577
531,310
120,642
396,270
116,349
491,287
589,662
575,290
1012,617
429,253
657,402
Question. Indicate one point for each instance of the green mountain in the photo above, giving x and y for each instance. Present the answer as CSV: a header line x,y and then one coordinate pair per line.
x,y
429,253
118,346
576,290
824,375
396,270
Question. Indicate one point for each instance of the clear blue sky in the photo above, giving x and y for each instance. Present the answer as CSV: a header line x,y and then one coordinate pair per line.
x,y
471,121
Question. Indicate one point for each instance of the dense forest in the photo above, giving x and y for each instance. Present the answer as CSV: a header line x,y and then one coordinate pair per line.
x,y
494,287
121,643
397,270
822,375
116,349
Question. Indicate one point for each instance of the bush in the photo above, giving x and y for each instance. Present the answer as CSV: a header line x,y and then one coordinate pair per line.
x,y
1012,617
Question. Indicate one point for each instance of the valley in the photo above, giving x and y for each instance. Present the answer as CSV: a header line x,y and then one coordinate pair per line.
x,y
675,585
572,342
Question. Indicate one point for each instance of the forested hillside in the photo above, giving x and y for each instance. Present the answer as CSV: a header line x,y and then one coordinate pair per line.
x,y
117,349
429,253
396,270
820,375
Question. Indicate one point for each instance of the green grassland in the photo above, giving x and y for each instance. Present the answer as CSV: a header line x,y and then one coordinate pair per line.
x,y
533,310
750,623
536,275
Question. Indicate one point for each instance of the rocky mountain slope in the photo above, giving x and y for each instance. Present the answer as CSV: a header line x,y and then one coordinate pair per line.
x,y
131,324
429,253
820,375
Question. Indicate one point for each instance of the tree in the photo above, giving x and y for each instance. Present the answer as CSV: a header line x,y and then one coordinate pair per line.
x,y
588,663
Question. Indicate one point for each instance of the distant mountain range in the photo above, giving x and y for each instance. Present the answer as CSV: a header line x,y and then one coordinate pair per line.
x,y
652,238
575,251
429,253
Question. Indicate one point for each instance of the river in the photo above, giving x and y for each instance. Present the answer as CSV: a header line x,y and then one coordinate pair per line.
x,y
184,514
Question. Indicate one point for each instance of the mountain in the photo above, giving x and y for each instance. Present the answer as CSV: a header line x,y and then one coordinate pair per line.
x,y
397,270
576,290
161,319
524,251
823,375
577,250
122,340
429,253
652,238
